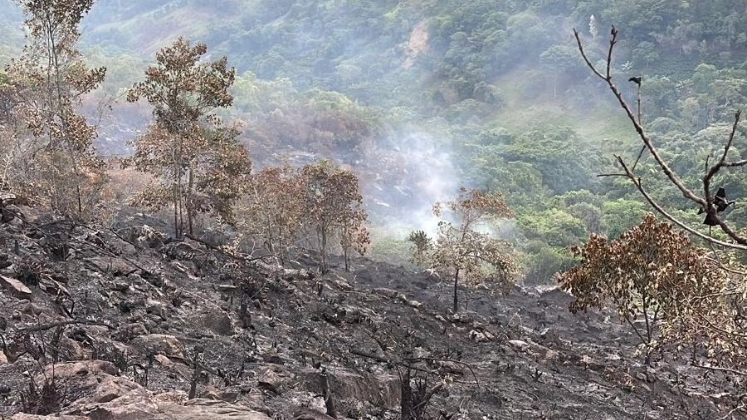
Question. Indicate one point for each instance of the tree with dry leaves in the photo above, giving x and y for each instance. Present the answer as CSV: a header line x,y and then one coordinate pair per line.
x,y
465,248
333,206
646,274
54,153
202,166
272,211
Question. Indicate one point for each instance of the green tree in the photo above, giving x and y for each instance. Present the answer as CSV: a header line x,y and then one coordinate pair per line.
x,y
621,215
560,60
557,153
421,247
554,226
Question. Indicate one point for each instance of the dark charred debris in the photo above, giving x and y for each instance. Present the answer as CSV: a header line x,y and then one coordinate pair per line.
x,y
125,322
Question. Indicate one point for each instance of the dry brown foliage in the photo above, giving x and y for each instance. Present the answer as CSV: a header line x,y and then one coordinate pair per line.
x,y
201,165
272,211
319,204
50,154
672,294
465,253
334,208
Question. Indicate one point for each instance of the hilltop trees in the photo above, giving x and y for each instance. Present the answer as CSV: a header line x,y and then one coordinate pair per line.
x,y
201,164
54,155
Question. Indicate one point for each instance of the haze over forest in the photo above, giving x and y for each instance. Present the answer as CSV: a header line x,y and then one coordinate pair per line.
x,y
420,97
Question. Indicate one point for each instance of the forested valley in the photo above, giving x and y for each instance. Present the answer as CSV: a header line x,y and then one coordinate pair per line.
x,y
478,149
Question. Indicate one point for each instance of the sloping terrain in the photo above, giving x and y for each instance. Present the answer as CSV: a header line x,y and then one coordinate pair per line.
x,y
125,323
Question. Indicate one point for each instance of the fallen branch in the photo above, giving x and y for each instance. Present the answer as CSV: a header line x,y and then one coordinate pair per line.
x,y
45,327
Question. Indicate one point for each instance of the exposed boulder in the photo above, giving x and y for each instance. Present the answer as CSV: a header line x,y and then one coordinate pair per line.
x,y
16,288
167,345
378,389
170,406
217,321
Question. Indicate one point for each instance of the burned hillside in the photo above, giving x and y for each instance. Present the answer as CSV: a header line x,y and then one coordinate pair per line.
x,y
128,323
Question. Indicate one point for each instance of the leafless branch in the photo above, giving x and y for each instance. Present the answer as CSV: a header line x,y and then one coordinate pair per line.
x,y
611,175
381,359
637,182
586,59
640,154
740,407
735,164
725,267
433,359
703,202
45,327
721,369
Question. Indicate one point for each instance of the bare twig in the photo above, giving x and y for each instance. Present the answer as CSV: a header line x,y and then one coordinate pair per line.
x,y
611,175
385,360
721,369
639,129
640,154
703,202
586,59
223,251
433,359
637,182
427,397
640,119
740,407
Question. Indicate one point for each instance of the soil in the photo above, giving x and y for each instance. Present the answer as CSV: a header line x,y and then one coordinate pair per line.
x,y
125,319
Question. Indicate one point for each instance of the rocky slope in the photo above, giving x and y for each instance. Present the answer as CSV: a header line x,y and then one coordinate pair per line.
x,y
125,323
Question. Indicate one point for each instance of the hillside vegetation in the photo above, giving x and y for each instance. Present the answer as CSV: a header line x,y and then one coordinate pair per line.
x,y
485,142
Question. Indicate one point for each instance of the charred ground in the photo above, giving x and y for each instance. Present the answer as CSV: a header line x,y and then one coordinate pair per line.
x,y
127,323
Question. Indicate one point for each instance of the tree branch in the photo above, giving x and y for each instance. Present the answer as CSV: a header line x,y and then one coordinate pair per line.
x,y
45,327
671,175
658,208
721,369
710,210
433,359
586,59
